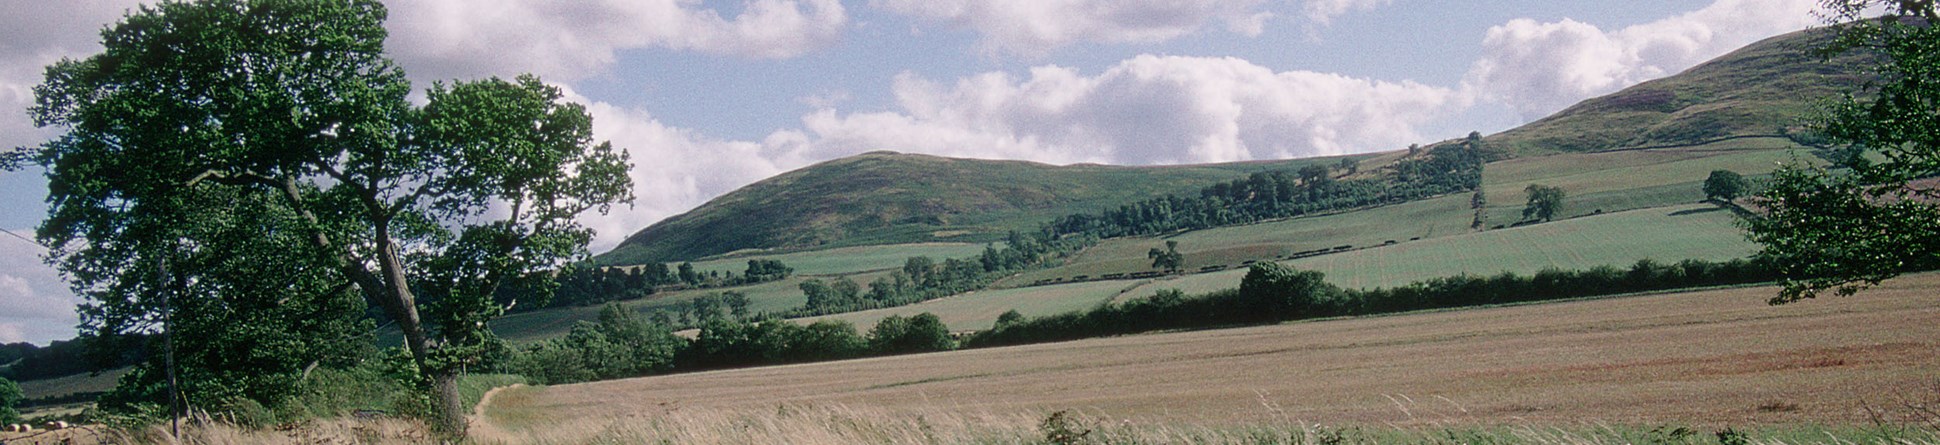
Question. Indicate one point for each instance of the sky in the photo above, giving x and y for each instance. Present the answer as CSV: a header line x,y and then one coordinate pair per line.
x,y
711,95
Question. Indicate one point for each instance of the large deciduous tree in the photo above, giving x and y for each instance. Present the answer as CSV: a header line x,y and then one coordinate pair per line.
x,y
259,161
1845,232
1544,202
1725,185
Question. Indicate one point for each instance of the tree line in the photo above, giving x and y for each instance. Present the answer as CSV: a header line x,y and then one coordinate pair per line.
x,y
586,284
1272,293
623,344
1312,189
923,278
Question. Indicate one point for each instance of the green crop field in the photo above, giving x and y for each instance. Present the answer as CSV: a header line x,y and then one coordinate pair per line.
x,y
1231,246
1626,180
1667,234
847,260
979,310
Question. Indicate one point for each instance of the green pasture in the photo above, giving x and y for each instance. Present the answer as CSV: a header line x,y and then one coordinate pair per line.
x,y
1232,246
1667,234
1627,180
979,310
847,260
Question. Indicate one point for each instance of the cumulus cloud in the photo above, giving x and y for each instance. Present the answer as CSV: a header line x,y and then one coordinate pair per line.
x,y
1144,110
1033,27
34,35
676,169
1324,11
441,39
35,304
1539,68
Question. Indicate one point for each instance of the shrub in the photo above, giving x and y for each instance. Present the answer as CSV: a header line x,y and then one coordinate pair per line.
x,y
921,333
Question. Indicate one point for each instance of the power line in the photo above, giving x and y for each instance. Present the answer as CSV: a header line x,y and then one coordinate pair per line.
x,y
29,240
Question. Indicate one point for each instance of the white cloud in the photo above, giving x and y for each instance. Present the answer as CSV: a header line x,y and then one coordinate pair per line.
x,y
675,169
1145,110
35,304
1540,68
442,39
34,34
1324,11
1034,27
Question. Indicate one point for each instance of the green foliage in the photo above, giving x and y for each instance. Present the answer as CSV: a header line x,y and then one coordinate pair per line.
x,y
260,163
921,333
1284,292
922,278
1544,203
1274,293
620,345
1008,317
1725,185
1169,259
10,397
1847,232
1312,189
727,343
763,270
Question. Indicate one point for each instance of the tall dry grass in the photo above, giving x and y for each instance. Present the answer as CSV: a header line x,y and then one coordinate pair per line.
x,y
838,424
841,424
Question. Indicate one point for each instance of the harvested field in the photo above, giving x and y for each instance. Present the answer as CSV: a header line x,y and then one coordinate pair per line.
x,y
1706,358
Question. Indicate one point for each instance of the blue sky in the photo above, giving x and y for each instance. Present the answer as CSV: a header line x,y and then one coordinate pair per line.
x,y
712,95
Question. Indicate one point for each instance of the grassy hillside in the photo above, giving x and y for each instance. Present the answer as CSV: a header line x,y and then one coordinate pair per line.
x,y
846,260
890,198
1646,147
1664,234
1755,90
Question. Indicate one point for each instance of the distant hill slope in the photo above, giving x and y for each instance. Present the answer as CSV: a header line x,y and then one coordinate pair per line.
x,y
1754,91
885,197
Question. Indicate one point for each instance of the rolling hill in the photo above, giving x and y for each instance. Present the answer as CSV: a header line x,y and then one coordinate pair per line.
x,y
1761,91
1765,89
889,198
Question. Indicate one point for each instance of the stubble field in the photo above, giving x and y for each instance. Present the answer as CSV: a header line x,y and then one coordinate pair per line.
x,y
1711,358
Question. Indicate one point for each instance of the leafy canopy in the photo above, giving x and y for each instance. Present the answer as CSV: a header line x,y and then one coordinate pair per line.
x,y
1544,202
1846,232
259,161
1725,185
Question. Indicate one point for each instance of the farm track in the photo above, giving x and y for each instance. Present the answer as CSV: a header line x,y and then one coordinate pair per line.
x,y
1710,358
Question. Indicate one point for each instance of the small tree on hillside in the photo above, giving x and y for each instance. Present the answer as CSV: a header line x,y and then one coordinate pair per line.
x,y
1544,203
1169,259
1725,185
737,303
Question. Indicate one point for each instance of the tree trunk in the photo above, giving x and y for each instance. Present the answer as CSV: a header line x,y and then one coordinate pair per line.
x,y
451,412
449,415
